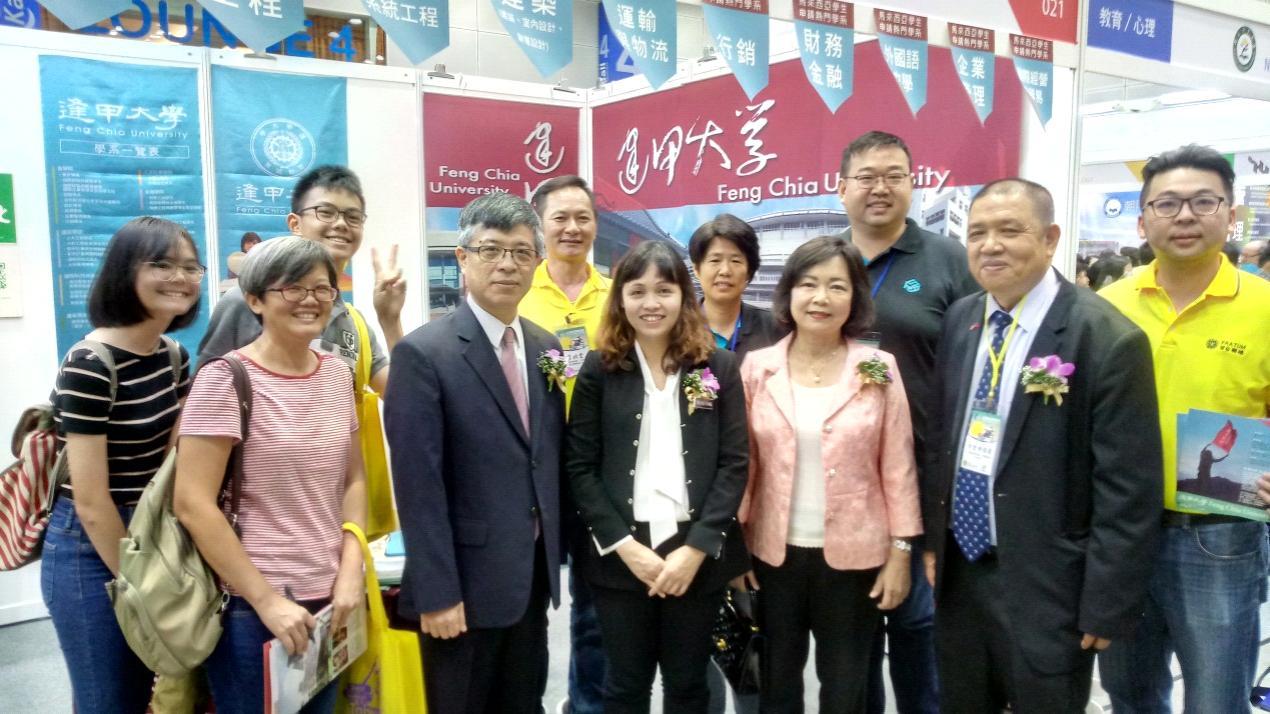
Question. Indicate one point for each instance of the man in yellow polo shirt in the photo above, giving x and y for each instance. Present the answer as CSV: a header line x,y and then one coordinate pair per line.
x,y
567,298
1208,324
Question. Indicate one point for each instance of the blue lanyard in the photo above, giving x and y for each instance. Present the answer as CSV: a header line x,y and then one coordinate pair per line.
x,y
735,332
877,284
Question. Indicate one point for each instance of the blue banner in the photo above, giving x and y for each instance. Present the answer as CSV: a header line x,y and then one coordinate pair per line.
x,y
828,55
421,29
1037,78
542,28
1136,27
120,141
21,13
258,23
82,13
268,129
906,59
741,38
976,70
647,31
614,62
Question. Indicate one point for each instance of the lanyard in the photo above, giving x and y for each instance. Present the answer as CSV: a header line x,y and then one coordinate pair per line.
x,y
877,284
998,359
736,331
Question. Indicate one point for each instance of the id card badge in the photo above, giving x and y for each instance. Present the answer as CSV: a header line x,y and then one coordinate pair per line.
x,y
983,436
871,340
573,343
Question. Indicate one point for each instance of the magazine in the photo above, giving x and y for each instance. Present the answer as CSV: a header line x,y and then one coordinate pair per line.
x,y
1220,457
292,680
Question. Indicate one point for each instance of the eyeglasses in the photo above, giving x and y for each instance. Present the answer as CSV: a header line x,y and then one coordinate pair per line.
x,y
495,253
167,270
296,293
893,180
1201,205
327,213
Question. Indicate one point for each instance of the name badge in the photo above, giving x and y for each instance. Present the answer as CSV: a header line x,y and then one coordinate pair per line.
x,y
573,343
983,436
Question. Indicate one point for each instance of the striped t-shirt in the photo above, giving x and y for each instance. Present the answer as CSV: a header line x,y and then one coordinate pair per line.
x,y
137,426
295,464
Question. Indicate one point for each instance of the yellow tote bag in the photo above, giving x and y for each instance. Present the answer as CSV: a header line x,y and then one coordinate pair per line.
x,y
388,677
381,514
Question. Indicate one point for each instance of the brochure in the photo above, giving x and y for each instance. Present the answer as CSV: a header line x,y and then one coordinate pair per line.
x,y
292,680
1220,457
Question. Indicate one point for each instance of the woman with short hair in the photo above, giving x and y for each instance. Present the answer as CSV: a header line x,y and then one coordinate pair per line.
x,y
725,255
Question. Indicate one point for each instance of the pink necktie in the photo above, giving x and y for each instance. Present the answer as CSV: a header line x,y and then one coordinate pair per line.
x,y
511,370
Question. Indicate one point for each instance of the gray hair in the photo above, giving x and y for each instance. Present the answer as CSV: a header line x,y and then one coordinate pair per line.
x,y
499,211
283,261
1036,194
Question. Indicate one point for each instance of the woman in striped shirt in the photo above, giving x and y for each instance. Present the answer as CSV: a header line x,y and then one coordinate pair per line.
x,y
302,475
148,284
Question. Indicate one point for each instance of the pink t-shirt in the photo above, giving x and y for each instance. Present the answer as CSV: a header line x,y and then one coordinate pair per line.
x,y
295,464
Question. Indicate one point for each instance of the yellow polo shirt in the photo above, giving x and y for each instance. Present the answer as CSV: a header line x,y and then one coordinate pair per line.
x,y
1213,355
547,306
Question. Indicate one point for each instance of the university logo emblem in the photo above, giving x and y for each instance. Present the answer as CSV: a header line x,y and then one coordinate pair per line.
x,y
912,285
281,147
1244,48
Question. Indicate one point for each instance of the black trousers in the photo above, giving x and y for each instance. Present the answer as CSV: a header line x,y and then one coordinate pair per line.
x,y
640,633
805,596
980,668
492,670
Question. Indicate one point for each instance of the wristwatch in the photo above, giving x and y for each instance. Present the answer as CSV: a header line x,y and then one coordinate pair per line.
x,y
901,544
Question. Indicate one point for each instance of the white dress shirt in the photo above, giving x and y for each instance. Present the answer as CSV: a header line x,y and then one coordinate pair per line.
x,y
807,505
494,329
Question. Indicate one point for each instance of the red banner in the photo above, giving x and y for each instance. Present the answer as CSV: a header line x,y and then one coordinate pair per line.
x,y
472,147
705,143
1055,19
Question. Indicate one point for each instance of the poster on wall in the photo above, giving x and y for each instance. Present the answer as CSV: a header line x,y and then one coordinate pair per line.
x,y
1108,221
269,129
120,141
510,146
663,167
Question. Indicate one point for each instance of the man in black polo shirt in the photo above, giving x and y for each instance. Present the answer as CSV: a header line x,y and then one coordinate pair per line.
x,y
915,275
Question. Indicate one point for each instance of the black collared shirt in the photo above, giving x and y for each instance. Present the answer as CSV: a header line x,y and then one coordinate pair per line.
x,y
921,275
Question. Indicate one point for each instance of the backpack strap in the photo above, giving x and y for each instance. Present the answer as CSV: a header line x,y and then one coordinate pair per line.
x,y
62,466
233,480
361,375
174,358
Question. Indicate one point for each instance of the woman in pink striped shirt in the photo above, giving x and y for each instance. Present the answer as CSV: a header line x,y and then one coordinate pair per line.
x,y
302,475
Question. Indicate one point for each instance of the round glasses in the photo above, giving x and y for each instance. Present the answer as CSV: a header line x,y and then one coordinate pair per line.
x,y
167,270
295,293
327,213
495,253
1202,205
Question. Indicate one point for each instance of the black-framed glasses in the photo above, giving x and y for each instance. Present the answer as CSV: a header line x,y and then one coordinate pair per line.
x,y
327,213
892,180
495,253
1202,205
167,270
297,293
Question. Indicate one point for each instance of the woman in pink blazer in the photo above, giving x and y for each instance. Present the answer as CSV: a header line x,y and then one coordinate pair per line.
x,y
832,498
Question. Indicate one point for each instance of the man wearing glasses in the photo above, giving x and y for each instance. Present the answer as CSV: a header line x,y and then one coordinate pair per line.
x,y
915,276
1208,323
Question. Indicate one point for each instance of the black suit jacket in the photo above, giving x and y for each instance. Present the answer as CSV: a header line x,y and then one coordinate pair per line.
x,y
1077,492
469,481
604,424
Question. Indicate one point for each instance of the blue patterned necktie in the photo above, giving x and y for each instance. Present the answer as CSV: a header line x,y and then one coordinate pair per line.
x,y
970,491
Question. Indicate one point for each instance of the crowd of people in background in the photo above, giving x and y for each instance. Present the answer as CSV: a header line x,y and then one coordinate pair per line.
x,y
946,452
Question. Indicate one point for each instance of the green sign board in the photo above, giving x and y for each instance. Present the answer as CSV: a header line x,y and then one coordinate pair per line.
x,y
8,224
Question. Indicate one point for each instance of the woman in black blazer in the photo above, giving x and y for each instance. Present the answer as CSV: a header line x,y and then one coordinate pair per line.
x,y
657,457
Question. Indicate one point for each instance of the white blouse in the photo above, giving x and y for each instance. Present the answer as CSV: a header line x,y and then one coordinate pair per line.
x,y
807,506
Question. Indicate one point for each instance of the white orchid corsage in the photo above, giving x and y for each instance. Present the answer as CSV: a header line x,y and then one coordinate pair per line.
x,y
874,371
1048,376
553,365
702,388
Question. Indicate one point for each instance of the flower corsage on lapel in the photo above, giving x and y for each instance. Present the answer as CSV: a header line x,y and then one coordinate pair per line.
x,y
1047,375
701,388
874,371
552,364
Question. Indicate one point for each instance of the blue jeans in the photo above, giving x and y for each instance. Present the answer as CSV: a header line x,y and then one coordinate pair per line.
x,y
236,668
587,663
106,677
911,630
1203,604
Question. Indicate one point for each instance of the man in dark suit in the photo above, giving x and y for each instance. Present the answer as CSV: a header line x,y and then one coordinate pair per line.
x,y
1042,491
476,437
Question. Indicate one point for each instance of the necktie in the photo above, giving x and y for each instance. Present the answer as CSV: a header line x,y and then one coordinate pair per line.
x,y
970,491
511,370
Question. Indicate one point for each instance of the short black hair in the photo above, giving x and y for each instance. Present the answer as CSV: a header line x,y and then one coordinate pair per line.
x,y
727,227
113,300
813,253
1191,156
330,177
251,237
1230,249
1039,196
1264,256
1131,253
869,141
1146,253
557,183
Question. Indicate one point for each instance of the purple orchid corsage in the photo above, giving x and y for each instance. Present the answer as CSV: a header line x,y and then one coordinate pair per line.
x,y
874,371
702,388
1048,376
553,365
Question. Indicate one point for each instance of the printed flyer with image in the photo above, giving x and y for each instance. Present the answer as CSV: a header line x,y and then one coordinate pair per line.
x,y
1220,457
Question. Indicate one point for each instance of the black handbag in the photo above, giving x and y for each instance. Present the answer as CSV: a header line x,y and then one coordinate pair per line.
x,y
738,641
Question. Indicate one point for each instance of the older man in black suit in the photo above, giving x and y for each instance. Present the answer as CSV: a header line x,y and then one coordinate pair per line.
x,y
1042,490
476,436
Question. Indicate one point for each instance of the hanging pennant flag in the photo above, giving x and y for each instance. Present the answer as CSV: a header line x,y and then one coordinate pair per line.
x,y
738,29
258,23
613,62
827,45
78,14
648,31
420,30
1034,63
974,56
542,28
902,38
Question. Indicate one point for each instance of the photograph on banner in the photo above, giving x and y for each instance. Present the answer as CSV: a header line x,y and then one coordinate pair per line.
x,y
1108,221
120,141
510,146
663,167
269,129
